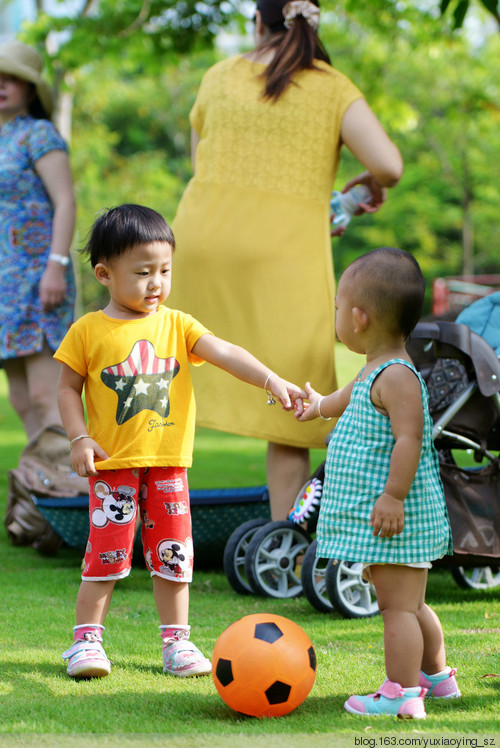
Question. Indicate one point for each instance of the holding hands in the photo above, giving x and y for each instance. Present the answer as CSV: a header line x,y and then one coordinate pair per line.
x,y
308,411
322,406
290,396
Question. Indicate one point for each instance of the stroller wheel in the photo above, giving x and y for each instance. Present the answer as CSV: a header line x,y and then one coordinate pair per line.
x,y
477,578
271,562
313,577
349,593
235,552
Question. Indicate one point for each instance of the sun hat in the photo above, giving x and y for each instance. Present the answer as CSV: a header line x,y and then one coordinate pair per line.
x,y
26,63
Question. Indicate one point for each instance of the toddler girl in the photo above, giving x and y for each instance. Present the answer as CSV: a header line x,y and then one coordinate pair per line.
x,y
383,502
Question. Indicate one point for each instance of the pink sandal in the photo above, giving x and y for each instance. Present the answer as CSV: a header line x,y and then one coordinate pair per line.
x,y
390,699
441,685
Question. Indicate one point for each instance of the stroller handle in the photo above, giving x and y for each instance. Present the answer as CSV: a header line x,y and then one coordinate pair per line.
x,y
481,354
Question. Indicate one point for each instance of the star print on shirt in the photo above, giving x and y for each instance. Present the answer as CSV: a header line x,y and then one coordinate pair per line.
x,y
141,382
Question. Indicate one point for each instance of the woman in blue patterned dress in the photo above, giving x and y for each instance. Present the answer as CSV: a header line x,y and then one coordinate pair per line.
x,y
383,502
37,215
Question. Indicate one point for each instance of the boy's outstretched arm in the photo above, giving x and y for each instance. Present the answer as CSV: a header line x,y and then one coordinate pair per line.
x,y
243,365
69,399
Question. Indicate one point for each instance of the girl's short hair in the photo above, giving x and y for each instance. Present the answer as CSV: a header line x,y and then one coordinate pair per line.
x,y
119,229
390,282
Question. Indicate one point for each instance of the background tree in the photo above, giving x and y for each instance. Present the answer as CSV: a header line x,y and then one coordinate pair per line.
x,y
460,8
438,96
133,69
129,128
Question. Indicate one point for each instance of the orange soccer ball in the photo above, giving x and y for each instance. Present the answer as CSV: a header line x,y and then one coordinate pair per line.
x,y
263,665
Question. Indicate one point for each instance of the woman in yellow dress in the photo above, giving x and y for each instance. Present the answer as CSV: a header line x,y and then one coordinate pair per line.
x,y
252,229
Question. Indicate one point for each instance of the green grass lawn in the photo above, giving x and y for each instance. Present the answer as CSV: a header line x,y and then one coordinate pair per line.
x,y
137,704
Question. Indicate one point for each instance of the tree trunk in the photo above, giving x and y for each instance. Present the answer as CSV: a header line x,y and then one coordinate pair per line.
x,y
468,240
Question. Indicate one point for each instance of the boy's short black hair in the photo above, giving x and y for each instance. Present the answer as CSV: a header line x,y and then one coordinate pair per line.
x,y
121,228
392,285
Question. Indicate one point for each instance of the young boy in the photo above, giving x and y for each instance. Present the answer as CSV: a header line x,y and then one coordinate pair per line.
x,y
133,360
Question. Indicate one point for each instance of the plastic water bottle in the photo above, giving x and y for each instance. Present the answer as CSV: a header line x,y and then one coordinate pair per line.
x,y
344,204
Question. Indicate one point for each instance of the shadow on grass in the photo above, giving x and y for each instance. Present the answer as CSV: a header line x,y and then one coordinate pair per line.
x,y
140,699
137,699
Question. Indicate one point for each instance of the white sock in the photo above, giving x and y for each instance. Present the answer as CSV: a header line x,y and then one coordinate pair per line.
x,y
446,671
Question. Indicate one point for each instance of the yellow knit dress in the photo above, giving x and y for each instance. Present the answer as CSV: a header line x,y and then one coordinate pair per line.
x,y
253,260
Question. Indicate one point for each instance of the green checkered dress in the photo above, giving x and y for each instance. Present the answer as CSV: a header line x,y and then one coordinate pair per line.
x,y
357,467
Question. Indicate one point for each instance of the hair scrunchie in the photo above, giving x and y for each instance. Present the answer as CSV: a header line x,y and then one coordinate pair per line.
x,y
303,8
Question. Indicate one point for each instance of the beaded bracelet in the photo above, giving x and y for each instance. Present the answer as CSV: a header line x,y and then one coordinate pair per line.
x,y
271,400
320,413
77,439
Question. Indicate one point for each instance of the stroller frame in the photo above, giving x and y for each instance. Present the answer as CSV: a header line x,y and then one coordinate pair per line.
x,y
468,421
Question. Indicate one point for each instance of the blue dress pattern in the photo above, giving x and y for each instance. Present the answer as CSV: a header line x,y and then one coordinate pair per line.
x,y
356,471
26,223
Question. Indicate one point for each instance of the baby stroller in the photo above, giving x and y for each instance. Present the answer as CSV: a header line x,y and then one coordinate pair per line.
x,y
462,372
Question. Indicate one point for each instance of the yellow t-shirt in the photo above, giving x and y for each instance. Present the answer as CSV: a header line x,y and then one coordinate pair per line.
x,y
138,389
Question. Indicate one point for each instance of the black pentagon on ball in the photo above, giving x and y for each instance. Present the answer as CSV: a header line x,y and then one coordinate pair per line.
x,y
312,657
278,693
224,672
268,632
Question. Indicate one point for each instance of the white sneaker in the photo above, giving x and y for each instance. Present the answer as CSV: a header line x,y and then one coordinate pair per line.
x,y
87,660
184,659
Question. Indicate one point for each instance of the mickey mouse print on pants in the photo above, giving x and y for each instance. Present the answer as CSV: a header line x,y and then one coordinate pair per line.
x,y
118,506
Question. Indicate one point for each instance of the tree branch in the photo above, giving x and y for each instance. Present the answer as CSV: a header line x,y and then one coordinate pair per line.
x,y
141,18
86,7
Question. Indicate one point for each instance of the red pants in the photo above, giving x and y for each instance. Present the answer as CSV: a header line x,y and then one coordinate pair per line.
x,y
162,497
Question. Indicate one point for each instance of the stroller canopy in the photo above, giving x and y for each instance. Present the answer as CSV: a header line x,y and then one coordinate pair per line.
x,y
483,317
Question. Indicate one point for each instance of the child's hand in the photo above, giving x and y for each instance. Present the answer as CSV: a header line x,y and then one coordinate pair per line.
x,y
309,410
298,406
83,453
388,516
286,392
